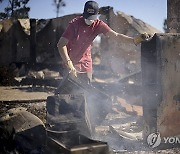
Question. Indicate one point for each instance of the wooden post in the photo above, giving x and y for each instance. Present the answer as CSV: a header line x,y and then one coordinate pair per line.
x,y
32,41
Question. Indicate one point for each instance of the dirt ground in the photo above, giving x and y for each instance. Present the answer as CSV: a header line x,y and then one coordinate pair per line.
x,y
34,99
23,93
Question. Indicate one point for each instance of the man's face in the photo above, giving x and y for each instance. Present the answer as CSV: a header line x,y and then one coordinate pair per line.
x,y
88,22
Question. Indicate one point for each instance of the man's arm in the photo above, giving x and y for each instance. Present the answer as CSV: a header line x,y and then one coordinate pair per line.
x,y
63,49
119,37
64,54
127,39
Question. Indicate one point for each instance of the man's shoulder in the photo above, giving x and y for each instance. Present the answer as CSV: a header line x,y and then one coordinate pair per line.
x,y
76,19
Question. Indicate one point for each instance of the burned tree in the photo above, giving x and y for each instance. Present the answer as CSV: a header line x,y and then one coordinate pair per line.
x,y
58,4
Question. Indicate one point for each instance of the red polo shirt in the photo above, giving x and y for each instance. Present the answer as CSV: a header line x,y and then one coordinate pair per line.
x,y
80,38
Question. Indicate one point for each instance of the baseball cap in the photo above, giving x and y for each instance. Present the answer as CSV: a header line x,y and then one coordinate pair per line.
x,y
91,10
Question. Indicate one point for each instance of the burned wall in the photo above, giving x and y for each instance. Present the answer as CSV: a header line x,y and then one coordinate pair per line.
x,y
15,39
48,34
169,108
161,88
120,58
14,42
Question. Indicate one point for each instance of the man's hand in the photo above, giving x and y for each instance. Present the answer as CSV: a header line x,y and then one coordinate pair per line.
x,y
140,38
70,66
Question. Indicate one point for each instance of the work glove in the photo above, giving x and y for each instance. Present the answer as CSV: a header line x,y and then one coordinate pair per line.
x,y
71,68
140,38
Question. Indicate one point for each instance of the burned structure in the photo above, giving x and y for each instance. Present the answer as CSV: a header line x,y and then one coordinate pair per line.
x,y
160,78
68,124
35,41
161,88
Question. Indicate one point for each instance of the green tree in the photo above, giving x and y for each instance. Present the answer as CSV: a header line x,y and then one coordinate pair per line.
x,y
58,4
15,9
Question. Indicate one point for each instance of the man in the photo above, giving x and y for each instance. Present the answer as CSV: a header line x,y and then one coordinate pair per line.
x,y
75,44
75,49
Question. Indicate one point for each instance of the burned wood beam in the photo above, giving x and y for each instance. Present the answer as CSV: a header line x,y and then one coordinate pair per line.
x,y
32,41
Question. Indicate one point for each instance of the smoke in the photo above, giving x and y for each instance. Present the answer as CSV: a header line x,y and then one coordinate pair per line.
x,y
97,107
120,79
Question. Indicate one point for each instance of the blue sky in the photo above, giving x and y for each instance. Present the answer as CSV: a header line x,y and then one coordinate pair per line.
x,y
152,12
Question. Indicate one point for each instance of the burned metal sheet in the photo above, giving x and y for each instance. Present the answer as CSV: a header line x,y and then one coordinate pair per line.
x,y
67,112
97,100
97,104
